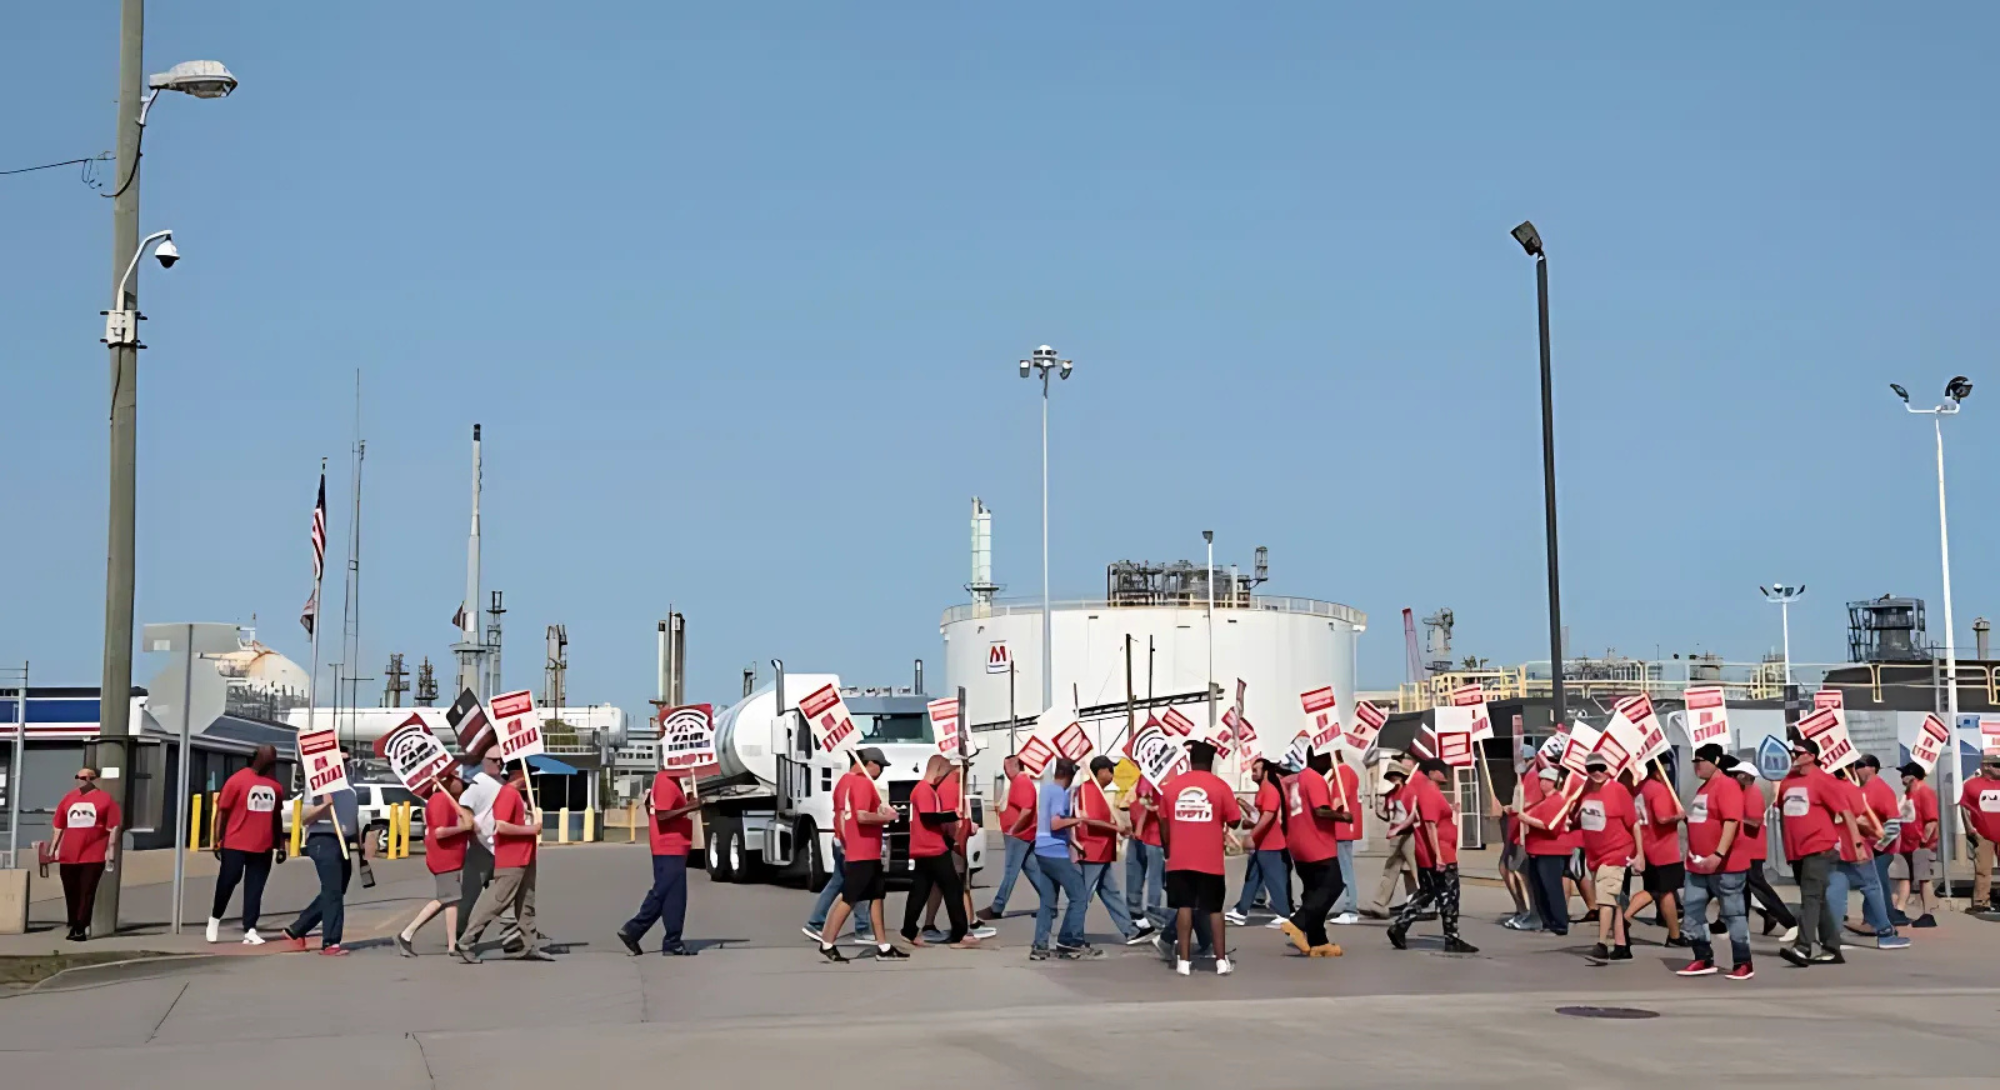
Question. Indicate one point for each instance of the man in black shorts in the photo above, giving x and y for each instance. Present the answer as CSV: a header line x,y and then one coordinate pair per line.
x,y
1197,809
861,815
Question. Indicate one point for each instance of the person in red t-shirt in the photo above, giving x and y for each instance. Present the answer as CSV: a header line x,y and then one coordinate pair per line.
x,y
1979,811
87,822
670,830
1544,824
1660,817
1718,864
1197,812
1145,860
1017,822
861,816
1310,813
1400,861
951,793
1096,838
517,831
1269,872
447,827
1347,834
1604,814
1915,868
249,811
933,826
1812,805
1437,860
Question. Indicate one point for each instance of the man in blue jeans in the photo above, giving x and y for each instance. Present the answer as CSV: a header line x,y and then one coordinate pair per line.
x,y
1269,869
1097,847
1717,866
330,818
1056,873
1145,861
671,832
1856,869
1017,814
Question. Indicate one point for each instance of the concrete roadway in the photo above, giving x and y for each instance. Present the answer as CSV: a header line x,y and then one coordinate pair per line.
x,y
759,1005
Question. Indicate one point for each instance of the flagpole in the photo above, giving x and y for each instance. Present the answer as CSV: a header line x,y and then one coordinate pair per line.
x,y
312,678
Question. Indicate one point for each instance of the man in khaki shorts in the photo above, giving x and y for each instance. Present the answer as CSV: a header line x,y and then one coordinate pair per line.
x,y
1609,823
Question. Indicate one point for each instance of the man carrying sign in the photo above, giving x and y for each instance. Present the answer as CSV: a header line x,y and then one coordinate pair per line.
x,y
517,833
1311,820
447,829
670,829
332,816
1437,861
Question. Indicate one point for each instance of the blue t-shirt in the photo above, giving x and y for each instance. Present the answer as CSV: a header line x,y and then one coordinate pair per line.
x,y
1053,803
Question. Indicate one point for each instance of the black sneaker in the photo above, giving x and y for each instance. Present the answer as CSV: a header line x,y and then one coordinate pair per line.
x,y
1828,957
832,953
1396,935
1795,955
1770,925
678,951
1038,953
1601,952
1679,941
1456,945
1085,952
1621,953
631,944
403,946
1925,920
890,953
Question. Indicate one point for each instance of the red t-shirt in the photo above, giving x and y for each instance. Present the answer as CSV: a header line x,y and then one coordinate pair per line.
x,y
1981,798
855,794
1923,810
1752,837
1146,822
1020,800
1200,805
1541,801
1808,803
1350,782
1659,815
679,834
1271,800
1719,801
949,799
1434,808
1881,799
1093,845
250,801
926,840
87,818
1604,815
444,849
1307,835
511,849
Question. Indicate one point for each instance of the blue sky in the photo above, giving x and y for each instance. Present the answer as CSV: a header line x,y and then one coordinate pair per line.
x,y
737,293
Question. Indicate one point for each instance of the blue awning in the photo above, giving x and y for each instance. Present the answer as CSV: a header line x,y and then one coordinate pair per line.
x,y
550,765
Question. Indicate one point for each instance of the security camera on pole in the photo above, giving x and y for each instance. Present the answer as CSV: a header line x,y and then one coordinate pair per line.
x,y
1043,361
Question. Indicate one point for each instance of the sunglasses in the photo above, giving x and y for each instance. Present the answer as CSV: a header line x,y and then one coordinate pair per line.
x,y
86,779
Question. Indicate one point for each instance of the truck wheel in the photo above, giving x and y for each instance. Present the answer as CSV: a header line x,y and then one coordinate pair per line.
x,y
720,836
817,876
381,835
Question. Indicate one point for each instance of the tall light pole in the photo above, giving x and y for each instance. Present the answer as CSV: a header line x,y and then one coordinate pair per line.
x,y
1208,539
1042,362
1955,391
1531,241
202,79
1784,595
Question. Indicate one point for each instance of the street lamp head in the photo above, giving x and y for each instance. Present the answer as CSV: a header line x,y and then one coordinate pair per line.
x,y
168,253
1045,353
1958,389
1900,392
1025,367
202,79
1529,238
1208,536
1066,364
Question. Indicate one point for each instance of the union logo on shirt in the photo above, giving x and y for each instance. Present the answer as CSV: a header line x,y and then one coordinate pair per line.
x,y
261,800
1798,801
1591,816
1989,802
1193,804
80,815
1698,810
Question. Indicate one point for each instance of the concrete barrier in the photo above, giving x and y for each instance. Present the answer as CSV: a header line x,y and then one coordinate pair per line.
x,y
14,901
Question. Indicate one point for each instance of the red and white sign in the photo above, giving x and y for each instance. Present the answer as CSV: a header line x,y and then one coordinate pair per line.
x,y
1455,749
999,660
944,724
1612,748
1299,750
1036,755
325,766
1073,742
1707,717
1989,735
826,714
1246,734
1159,755
414,755
519,727
1578,747
1638,710
1825,729
1368,720
1323,711
687,738
1930,742
1829,698
1174,721
1474,698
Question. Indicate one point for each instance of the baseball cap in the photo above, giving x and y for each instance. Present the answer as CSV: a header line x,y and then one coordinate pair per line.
x,y
1433,764
1990,759
1806,746
1597,760
1100,762
1551,774
1392,772
872,755
1711,753
1726,763
1913,769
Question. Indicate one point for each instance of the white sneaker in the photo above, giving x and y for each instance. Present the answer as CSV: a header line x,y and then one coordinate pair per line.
x,y
1790,936
984,932
214,933
1277,924
808,932
1236,918
1224,967
1182,967
1346,919
252,938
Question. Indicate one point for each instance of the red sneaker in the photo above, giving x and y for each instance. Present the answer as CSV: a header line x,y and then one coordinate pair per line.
x,y
1742,972
1698,967
341,952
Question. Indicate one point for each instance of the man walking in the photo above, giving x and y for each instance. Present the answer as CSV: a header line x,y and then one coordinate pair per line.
x,y
1811,804
1199,811
1856,869
1437,861
1755,840
447,830
670,829
1346,835
861,816
1718,862
830,892
1610,826
1096,836
477,798
1267,840
1309,821
1015,817
1918,845
330,819
932,825
1888,813
1979,809
1400,863
951,792
517,833
1544,821
1660,817
1145,860
1056,874
87,821
250,814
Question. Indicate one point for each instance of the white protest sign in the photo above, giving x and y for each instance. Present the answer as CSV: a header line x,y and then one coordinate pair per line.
x,y
1825,729
519,727
1073,742
1246,734
1158,754
1474,697
1578,747
1323,716
1930,742
826,715
1638,710
1989,735
687,738
1707,716
1035,755
1174,721
1611,746
414,755
324,765
944,724
1368,720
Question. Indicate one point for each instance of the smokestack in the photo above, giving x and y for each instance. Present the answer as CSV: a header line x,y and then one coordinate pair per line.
x,y
1982,629
982,587
663,662
676,657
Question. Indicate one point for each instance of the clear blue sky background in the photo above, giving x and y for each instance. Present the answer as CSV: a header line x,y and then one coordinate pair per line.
x,y
737,293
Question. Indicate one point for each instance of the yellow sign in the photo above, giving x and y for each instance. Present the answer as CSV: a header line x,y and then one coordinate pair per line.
x,y
1124,777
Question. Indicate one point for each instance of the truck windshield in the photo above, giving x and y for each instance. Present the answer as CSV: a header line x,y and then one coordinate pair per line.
x,y
894,728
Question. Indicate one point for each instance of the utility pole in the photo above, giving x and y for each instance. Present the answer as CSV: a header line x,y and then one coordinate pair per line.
x,y
112,754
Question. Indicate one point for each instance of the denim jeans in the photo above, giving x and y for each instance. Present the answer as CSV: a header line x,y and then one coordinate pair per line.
x,y
1100,880
1271,872
1020,856
1145,880
1728,890
665,903
328,910
1350,901
1874,907
827,893
1545,883
1055,875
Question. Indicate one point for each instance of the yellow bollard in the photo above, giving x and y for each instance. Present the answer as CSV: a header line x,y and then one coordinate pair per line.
x,y
562,828
396,838
298,824
409,808
631,822
589,826
194,824
215,821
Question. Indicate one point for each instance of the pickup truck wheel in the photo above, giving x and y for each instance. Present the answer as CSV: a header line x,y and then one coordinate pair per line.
x,y
381,834
720,839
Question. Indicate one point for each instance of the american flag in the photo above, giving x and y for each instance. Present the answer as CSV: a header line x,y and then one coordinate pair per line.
x,y
310,616
458,619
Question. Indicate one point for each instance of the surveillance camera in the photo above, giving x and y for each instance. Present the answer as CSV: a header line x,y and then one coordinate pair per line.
x,y
167,254
1066,364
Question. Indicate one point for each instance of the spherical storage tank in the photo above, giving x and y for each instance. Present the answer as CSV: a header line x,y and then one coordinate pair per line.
x,y
1280,647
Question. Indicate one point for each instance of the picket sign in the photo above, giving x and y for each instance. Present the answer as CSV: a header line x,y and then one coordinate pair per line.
x,y
1368,720
827,717
1578,747
1930,743
1180,724
325,770
1159,755
414,755
1035,755
944,724
687,737
1323,714
1474,697
1298,751
1073,742
1707,716
1826,729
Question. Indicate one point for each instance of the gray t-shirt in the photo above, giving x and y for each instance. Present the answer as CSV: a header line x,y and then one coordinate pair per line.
x,y
345,807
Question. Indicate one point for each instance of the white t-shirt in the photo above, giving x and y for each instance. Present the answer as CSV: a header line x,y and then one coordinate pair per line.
x,y
478,797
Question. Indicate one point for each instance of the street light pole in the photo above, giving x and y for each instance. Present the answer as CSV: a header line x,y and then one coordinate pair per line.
x,y
1531,241
1208,538
1784,595
1041,362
